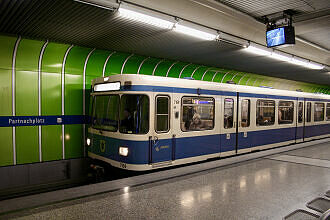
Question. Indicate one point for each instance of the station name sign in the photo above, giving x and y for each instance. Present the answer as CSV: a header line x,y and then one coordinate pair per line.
x,y
13,121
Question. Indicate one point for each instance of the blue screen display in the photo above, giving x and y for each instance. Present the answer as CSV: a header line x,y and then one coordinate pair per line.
x,y
275,37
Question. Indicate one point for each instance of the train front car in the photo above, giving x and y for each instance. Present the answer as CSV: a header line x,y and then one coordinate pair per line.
x,y
117,134
141,122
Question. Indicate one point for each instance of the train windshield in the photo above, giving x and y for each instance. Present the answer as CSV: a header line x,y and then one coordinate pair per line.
x,y
134,114
105,112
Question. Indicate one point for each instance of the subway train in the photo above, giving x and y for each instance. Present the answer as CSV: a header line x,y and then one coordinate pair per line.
x,y
140,122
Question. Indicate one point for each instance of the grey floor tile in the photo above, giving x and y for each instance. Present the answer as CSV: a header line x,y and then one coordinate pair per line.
x,y
320,151
255,189
302,160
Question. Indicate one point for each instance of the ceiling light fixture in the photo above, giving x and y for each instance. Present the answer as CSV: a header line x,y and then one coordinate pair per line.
x,y
259,50
298,61
146,16
281,56
315,66
196,31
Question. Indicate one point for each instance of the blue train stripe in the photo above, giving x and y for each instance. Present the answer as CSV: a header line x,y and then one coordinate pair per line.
x,y
14,121
266,96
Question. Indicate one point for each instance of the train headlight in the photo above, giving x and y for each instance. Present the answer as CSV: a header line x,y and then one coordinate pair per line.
x,y
88,142
123,151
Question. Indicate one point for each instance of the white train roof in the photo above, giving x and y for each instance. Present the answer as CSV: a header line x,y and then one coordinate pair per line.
x,y
194,84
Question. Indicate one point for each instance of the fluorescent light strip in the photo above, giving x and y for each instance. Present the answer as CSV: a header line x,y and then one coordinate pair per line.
x,y
144,18
298,62
280,57
194,32
162,21
284,57
258,51
315,66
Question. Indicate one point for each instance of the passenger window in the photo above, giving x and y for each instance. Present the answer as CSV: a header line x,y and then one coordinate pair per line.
x,y
285,112
228,113
197,114
300,112
245,115
328,112
309,112
265,112
318,111
162,114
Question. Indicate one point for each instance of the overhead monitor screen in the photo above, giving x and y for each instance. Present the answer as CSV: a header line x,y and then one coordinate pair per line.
x,y
275,37
283,36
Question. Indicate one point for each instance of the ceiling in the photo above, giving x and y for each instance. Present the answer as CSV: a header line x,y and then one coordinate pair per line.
x,y
72,22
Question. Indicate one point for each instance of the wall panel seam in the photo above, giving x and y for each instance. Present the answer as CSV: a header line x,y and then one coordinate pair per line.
x,y
234,76
169,69
153,72
192,74
106,62
184,69
214,75
248,80
63,86
224,76
123,66
13,95
138,72
241,78
205,72
84,98
39,96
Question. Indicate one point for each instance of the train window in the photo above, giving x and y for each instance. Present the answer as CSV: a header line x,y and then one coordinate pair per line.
x,y
228,113
328,112
318,111
265,112
197,114
105,112
285,112
300,112
134,114
245,114
309,112
162,114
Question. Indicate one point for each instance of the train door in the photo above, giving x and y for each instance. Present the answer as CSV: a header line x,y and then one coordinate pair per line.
x,y
244,138
229,126
300,121
308,120
161,141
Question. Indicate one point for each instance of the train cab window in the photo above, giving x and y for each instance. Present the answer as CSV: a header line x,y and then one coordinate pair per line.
x,y
134,114
285,112
328,112
309,112
197,114
105,112
318,111
228,113
300,112
162,114
265,112
245,113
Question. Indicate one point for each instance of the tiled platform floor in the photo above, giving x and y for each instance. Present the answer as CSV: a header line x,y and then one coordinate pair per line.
x,y
264,188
